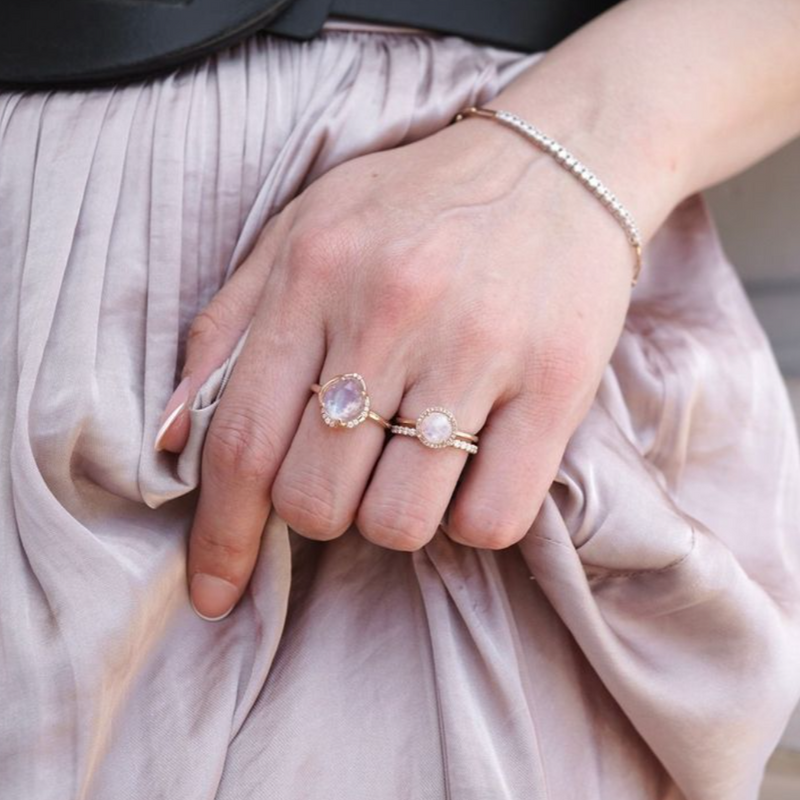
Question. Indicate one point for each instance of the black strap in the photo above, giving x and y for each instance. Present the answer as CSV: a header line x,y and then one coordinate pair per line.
x,y
80,42
526,25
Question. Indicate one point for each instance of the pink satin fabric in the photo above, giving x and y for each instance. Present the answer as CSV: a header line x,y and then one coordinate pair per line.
x,y
642,642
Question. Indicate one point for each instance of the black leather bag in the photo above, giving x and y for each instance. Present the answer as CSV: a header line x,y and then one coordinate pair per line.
x,y
90,42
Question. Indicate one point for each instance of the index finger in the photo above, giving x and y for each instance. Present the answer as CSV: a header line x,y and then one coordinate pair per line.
x,y
249,435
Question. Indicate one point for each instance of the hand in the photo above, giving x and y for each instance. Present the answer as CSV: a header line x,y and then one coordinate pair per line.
x,y
465,270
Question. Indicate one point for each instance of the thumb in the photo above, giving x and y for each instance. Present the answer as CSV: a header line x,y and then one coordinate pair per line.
x,y
212,336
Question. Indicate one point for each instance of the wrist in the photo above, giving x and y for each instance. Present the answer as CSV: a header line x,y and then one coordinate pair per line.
x,y
628,161
623,142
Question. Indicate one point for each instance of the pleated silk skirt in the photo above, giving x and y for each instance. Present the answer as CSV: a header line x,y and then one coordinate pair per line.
x,y
642,642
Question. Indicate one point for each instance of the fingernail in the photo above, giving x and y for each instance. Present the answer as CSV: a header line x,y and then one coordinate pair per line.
x,y
174,406
212,598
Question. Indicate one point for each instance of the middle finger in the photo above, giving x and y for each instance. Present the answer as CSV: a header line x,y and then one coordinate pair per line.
x,y
322,478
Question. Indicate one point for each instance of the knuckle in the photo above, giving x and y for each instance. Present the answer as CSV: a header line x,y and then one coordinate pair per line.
x,y
223,316
395,523
316,251
207,325
407,288
486,527
415,277
491,331
483,335
223,548
563,370
389,311
307,502
239,444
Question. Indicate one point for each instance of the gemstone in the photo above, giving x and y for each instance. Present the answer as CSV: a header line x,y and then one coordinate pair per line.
x,y
436,427
343,400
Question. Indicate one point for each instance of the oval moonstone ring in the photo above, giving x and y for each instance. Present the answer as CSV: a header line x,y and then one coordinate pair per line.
x,y
344,402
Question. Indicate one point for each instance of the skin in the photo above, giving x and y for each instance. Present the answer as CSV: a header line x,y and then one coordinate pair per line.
x,y
468,270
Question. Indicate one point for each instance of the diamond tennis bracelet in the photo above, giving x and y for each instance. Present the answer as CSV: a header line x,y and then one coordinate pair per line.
x,y
571,164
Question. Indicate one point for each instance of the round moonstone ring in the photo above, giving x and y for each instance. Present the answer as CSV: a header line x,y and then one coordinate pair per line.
x,y
344,402
436,427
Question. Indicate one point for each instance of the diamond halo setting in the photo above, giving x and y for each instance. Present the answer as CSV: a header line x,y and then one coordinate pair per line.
x,y
436,427
343,400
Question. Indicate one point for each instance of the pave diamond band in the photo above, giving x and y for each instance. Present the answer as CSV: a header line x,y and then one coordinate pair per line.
x,y
568,161
403,430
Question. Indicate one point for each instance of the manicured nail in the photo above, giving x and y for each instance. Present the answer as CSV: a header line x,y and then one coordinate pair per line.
x,y
212,598
174,406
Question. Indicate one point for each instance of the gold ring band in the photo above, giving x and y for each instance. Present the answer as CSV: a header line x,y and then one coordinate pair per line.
x,y
374,415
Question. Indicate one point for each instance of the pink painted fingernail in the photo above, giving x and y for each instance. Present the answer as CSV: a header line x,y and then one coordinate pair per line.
x,y
174,406
212,598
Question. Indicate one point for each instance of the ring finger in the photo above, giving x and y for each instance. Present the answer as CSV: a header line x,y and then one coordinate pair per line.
x,y
413,483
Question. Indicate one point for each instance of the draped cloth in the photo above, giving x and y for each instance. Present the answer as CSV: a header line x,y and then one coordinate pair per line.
x,y
641,642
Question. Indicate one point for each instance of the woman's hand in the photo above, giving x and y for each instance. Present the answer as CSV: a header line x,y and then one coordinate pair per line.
x,y
465,270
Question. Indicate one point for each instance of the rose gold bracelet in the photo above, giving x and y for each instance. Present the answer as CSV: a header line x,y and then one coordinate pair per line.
x,y
571,164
